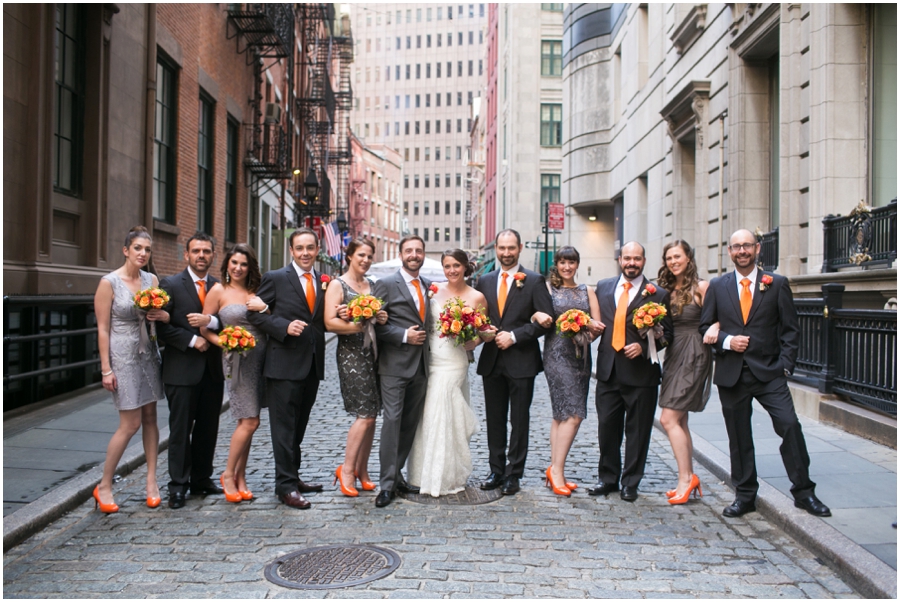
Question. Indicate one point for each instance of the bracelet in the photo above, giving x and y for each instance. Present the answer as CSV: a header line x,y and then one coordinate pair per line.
x,y
106,373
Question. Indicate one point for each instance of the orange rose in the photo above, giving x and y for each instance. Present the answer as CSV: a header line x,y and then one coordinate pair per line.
x,y
158,302
653,311
223,339
357,311
564,326
244,341
468,310
478,322
641,313
367,313
375,305
144,302
456,326
445,327
575,328
648,320
252,343
363,302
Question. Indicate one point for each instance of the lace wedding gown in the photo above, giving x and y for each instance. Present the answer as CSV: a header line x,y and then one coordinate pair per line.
x,y
440,461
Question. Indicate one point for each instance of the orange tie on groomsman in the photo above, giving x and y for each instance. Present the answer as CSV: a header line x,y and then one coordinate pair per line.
x,y
746,298
310,293
618,341
421,299
501,295
201,291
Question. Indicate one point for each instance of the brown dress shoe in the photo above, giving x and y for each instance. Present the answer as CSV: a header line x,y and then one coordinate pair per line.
x,y
309,487
294,500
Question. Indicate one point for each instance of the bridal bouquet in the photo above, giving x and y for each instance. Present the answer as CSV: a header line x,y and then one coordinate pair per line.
x,y
147,299
646,318
363,308
235,341
461,323
572,324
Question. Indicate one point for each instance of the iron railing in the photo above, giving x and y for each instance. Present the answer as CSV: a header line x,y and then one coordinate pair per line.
x,y
867,237
850,352
768,250
267,151
268,28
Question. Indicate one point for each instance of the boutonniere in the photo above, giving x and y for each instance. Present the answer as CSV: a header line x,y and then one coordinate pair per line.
x,y
519,277
325,279
432,289
764,282
648,290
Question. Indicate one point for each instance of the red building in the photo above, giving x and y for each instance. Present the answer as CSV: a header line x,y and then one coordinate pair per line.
x,y
376,196
489,118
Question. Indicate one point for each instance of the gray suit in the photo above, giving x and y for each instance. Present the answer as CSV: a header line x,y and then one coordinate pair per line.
x,y
403,374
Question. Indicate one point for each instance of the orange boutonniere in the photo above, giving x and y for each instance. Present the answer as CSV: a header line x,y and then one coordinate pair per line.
x,y
325,279
432,289
648,290
764,282
519,277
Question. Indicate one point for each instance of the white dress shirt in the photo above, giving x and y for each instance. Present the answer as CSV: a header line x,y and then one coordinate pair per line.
x,y
752,276
213,321
408,278
301,274
632,292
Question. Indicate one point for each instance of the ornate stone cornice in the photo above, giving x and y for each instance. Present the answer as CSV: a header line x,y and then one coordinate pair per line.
x,y
686,112
690,28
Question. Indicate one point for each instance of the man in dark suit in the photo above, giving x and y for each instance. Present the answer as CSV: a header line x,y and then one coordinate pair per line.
x,y
756,349
627,378
402,364
192,375
295,358
510,362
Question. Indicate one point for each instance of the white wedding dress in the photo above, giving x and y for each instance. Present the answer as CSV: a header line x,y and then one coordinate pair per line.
x,y
440,461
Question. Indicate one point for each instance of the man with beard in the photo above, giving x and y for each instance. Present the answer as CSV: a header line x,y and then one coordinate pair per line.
x,y
510,362
627,379
402,361
756,349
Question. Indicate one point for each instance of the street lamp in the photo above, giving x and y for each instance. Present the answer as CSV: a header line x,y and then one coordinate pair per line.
x,y
341,222
311,186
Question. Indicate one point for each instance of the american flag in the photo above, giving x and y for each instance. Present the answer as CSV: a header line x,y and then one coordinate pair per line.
x,y
332,240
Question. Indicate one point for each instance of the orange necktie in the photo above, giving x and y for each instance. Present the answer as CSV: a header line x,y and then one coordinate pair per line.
x,y
421,300
618,341
201,291
746,298
501,294
310,293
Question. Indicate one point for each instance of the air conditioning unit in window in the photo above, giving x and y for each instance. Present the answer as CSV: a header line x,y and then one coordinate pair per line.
x,y
273,112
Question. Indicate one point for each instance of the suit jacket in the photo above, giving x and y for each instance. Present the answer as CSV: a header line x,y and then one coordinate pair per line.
x,y
523,359
394,357
289,357
183,365
639,372
771,325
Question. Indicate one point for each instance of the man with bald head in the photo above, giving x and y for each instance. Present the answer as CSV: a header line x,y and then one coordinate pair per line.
x,y
627,380
756,349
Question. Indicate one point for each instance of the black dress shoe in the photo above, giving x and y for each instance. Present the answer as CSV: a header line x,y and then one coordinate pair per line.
x,y
206,487
813,505
510,486
383,498
602,488
295,500
629,494
176,500
739,508
494,480
404,487
308,487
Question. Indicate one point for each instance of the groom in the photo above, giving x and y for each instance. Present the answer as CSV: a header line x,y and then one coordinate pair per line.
x,y
510,362
402,361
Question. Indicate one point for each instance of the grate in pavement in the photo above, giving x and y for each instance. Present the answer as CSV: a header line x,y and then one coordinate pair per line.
x,y
470,496
330,567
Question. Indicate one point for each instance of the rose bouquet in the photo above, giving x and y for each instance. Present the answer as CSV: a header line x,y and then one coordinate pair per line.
x,y
151,298
646,318
362,308
572,324
235,341
461,323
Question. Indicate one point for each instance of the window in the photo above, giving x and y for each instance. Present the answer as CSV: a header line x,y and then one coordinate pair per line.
x,y
406,180
458,153
459,124
407,100
447,155
428,37
397,101
406,131
428,100
883,107
418,103
398,42
427,131
458,180
68,122
447,177
408,16
480,37
480,68
437,207
551,57
427,152
397,74
457,234
418,15
458,207
555,6
480,14
437,234
427,71
459,39
416,231
387,73
551,124
440,11
415,207
408,71
427,178
416,182
406,207
471,38
448,130
549,192
449,39
416,154
428,14
449,73
437,178
408,42
447,207
231,167
418,71
459,99
437,97
469,100
417,123
459,67
396,128
418,41
427,207
406,156
426,234
471,70
164,140
450,13
437,130
204,165
446,234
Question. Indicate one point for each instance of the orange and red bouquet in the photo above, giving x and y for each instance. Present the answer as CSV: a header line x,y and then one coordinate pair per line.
x,y
571,323
151,298
460,322
648,315
236,339
364,307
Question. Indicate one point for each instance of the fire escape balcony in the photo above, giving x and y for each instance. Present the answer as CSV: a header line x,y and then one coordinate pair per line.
x,y
267,28
267,150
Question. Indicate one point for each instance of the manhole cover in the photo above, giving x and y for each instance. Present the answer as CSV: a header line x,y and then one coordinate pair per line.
x,y
330,567
470,496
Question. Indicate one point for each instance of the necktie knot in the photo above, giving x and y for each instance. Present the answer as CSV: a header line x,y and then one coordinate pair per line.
x,y
745,283
626,285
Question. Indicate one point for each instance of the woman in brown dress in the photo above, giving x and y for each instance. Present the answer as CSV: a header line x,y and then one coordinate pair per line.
x,y
687,377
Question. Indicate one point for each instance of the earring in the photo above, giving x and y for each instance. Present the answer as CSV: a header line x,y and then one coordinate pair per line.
x,y
227,278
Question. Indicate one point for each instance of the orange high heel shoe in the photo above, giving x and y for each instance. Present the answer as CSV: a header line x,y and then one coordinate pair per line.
x,y
557,490
104,508
245,494
693,488
234,498
366,485
153,501
348,491
571,485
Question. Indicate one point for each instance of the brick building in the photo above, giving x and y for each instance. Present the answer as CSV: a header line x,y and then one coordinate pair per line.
x,y
375,196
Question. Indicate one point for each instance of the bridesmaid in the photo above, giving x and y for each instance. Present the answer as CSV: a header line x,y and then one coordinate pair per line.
x,y
687,374
356,366
129,363
568,377
230,300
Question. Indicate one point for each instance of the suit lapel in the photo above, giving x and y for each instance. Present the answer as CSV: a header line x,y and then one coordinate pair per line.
x,y
400,282
320,294
291,274
191,289
490,294
638,298
731,286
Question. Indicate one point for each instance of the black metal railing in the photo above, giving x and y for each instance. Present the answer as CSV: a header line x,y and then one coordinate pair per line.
x,y
267,28
267,150
850,352
867,237
768,250
49,347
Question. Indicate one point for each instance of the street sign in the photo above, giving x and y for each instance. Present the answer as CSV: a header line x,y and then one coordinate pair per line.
x,y
530,244
556,216
313,222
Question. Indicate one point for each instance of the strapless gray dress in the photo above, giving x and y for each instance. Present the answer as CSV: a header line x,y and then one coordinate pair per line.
x,y
568,377
246,392
356,370
687,374
138,375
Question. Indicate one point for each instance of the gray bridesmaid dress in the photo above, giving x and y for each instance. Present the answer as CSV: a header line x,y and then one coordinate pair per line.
x,y
568,377
245,392
687,374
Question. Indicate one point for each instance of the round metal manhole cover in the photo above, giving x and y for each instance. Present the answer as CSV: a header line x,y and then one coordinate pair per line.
x,y
330,567
470,496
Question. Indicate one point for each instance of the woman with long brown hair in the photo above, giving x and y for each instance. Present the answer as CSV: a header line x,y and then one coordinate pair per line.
x,y
230,300
687,377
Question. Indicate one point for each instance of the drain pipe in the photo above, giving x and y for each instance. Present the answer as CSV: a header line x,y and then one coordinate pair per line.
x,y
150,116
721,191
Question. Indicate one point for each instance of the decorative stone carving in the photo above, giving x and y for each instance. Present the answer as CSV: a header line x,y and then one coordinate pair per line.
x,y
686,112
690,28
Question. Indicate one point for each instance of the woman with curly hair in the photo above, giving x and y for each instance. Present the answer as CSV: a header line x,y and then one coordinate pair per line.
x,y
687,377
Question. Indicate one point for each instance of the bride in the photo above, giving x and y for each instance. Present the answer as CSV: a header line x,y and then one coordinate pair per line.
x,y
440,461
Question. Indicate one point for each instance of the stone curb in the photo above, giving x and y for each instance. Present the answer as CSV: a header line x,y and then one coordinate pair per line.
x,y
863,570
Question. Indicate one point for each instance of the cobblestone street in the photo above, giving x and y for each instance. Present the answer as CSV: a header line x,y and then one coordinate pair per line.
x,y
532,545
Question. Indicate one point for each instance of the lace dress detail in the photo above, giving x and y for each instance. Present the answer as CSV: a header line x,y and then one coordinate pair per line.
x,y
687,377
568,377
138,375
440,461
245,393
357,370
